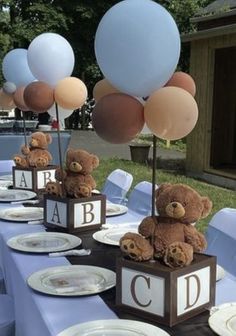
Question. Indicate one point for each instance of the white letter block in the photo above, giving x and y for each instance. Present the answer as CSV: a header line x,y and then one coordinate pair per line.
x,y
45,176
23,179
87,213
56,213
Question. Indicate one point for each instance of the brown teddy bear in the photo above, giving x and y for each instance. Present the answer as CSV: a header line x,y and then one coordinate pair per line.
x,y
36,154
77,179
170,236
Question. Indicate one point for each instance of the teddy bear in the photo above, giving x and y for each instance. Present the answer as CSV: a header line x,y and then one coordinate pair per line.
x,y
171,236
54,189
76,177
36,153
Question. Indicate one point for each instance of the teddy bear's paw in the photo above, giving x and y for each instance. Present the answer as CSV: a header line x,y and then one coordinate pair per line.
x,y
136,247
178,254
83,190
41,162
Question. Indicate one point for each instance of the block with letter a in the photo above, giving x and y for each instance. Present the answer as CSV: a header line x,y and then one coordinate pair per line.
x,y
33,178
74,215
167,295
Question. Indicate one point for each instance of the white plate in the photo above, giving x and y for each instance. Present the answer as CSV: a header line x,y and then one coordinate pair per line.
x,y
114,328
72,280
43,242
6,177
112,236
220,272
223,320
4,184
115,209
22,214
16,195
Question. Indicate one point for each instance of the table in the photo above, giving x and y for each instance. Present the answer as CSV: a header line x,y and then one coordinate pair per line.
x,y
38,314
10,145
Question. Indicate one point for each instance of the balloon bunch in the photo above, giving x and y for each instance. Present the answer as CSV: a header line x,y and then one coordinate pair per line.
x,y
40,76
137,47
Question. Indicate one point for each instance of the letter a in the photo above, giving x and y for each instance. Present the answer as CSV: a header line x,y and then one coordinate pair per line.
x,y
23,181
56,214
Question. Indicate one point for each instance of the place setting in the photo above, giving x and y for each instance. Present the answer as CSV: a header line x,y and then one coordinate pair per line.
x,y
222,319
111,236
11,195
5,184
113,209
31,215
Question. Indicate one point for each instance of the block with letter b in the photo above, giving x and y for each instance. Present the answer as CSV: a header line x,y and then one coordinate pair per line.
x,y
74,215
33,178
167,295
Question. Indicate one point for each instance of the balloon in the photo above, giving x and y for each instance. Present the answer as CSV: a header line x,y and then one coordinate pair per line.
x,y
38,96
18,98
6,101
15,67
50,58
171,113
184,81
102,88
70,93
118,118
137,46
9,88
63,113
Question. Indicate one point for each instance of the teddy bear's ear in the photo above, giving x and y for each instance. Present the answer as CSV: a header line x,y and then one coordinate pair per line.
x,y
95,161
207,206
162,187
49,138
69,152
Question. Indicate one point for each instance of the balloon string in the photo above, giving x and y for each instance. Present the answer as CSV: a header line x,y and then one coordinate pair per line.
x,y
60,151
24,127
154,139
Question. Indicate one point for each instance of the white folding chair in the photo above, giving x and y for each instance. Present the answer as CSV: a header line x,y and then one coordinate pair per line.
x,y
221,239
117,185
139,205
7,316
6,166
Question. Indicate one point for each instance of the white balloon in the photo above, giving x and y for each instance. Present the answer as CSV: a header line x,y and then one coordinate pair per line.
x,y
50,58
9,88
137,46
15,67
63,113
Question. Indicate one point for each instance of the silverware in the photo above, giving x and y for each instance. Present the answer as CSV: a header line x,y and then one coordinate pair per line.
x,y
78,253
26,202
35,222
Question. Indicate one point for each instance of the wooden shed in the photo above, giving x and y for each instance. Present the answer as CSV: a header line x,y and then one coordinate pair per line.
x,y
211,147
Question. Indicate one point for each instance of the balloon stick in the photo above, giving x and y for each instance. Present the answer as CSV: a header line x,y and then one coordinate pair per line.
x,y
154,173
59,149
24,127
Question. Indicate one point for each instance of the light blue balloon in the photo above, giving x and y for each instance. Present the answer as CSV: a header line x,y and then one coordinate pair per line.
x,y
15,67
137,46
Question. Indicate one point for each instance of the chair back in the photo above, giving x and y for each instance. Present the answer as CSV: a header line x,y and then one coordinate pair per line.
x,y
6,166
140,199
221,239
117,185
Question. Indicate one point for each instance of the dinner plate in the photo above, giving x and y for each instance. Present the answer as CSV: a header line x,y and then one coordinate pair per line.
x,y
220,272
6,177
4,184
114,328
112,236
115,209
223,320
43,242
20,214
10,195
72,280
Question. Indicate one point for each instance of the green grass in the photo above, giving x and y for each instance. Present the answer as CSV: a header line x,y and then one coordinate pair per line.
x,y
221,198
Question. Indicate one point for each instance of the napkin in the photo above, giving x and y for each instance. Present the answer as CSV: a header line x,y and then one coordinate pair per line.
x,y
81,252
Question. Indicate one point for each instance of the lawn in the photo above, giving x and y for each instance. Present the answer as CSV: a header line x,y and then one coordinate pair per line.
x,y
221,198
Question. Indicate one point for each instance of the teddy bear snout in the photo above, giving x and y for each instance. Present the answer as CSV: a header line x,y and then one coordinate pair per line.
x,y
175,210
75,167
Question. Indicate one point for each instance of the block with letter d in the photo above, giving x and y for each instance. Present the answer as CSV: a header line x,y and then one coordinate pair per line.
x,y
33,178
74,215
162,294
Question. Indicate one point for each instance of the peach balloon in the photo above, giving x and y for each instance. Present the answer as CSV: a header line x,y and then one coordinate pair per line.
x,y
38,96
184,81
18,98
103,88
70,93
6,101
171,113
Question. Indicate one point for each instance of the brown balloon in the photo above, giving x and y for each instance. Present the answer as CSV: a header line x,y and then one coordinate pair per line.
x,y
6,101
18,98
184,81
38,96
118,118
